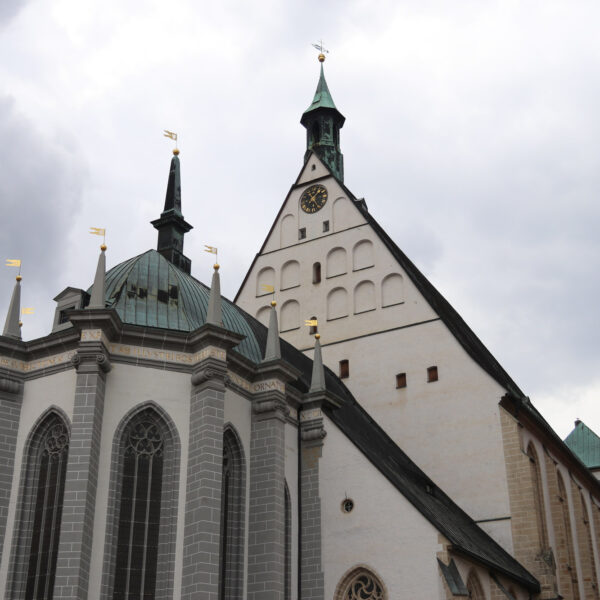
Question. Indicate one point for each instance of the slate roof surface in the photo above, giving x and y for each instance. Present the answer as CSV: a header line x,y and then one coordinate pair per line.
x,y
142,290
585,444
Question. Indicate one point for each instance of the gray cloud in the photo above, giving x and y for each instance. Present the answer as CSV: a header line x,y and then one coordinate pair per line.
x,y
40,186
9,9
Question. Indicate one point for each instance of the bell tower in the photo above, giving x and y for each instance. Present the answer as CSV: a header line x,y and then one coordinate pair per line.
x,y
323,122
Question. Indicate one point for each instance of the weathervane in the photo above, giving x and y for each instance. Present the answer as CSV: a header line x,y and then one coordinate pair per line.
x,y
173,136
321,50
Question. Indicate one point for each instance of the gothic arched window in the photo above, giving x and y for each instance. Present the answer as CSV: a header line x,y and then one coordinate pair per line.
x,y
142,514
360,584
538,499
41,499
566,525
474,587
232,518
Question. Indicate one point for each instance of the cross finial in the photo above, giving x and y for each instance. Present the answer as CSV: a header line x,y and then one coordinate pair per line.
x,y
322,50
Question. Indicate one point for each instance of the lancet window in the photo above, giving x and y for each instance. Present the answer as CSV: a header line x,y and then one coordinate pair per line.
x,y
41,501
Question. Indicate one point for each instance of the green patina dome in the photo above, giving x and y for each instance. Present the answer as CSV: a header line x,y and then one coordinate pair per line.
x,y
150,291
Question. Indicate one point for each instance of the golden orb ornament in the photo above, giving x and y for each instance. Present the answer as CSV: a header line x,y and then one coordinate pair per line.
x,y
103,247
273,303
20,323
19,278
321,57
317,336
217,265
176,152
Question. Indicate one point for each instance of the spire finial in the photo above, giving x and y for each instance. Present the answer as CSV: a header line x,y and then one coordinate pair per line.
x,y
97,299
273,348
317,383
321,50
214,314
12,326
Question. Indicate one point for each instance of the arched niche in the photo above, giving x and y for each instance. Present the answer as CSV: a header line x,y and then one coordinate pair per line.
x,y
343,214
336,262
362,255
290,274
364,297
263,315
337,303
290,315
392,290
265,279
288,230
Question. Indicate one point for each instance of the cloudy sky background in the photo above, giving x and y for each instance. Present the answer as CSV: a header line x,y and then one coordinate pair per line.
x,y
472,130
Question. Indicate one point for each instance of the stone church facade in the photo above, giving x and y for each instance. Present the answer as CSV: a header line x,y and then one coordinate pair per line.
x,y
163,442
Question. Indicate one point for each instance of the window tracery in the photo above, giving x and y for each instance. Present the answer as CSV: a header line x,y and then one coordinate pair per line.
x,y
361,584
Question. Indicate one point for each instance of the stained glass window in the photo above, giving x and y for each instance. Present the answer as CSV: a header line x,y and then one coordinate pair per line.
x,y
49,491
139,514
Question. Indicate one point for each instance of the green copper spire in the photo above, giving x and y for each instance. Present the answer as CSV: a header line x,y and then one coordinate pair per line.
x,y
171,225
322,97
323,122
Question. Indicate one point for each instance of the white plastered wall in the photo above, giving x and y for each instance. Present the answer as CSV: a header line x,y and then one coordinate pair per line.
x,y
450,428
383,532
38,395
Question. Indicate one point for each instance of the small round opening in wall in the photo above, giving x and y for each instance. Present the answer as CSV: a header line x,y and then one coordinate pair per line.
x,y
347,505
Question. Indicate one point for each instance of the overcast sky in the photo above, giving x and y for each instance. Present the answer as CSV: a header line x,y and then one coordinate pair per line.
x,y
472,130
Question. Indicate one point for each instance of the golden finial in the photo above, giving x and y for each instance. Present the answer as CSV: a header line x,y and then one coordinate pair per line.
x,y
217,265
20,323
19,278
176,152
321,50
273,303
317,336
103,247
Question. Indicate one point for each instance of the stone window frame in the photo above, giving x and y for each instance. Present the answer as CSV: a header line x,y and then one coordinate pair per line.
x,y
354,572
236,516
30,465
474,586
165,578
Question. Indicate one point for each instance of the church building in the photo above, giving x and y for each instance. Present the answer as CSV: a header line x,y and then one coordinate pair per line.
x,y
336,432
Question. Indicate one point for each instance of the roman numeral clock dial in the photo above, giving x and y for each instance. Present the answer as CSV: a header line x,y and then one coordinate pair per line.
x,y
313,198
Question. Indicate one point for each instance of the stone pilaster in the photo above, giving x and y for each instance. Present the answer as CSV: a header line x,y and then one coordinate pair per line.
x,y
266,541
201,542
75,547
11,397
312,434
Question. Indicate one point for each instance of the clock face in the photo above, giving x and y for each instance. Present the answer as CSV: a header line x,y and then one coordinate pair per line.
x,y
313,198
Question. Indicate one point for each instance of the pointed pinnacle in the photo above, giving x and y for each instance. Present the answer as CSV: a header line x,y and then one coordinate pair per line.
x,y
12,328
97,299
317,383
214,313
273,349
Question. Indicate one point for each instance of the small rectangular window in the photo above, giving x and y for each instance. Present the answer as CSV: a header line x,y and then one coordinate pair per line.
x,y
62,315
401,380
162,296
173,292
432,374
325,226
344,369
317,272
301,233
